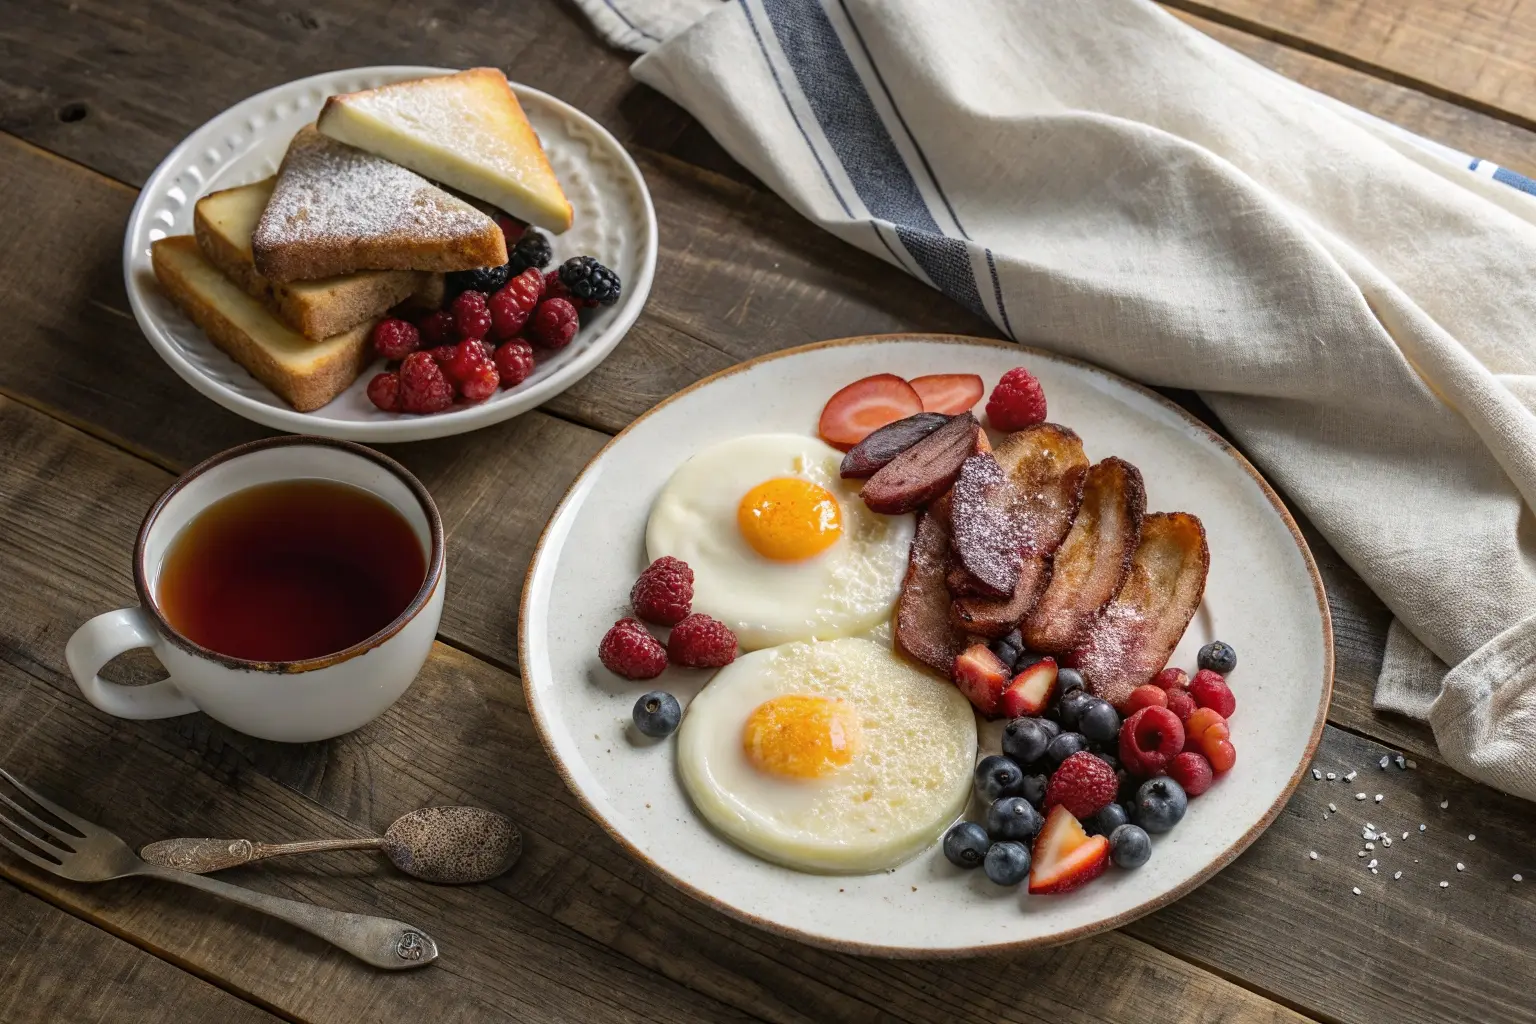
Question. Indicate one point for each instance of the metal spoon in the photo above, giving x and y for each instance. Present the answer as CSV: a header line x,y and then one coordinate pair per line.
x,y
448,845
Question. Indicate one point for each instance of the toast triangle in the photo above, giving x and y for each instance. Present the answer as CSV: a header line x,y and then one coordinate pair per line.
x,y
466,130
336,209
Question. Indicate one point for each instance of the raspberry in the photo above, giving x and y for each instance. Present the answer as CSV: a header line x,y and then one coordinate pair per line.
x,y
384,391
442,355
423,388
467,356
514,361
1210,690
1170,678
532,250
701,642
553,324
1181,703
664,592
1084,784
436,328
513,305
1148,739
1192,771
1147,696
1017,401
475,375
589,279
471,318
628,650
395,339
511,229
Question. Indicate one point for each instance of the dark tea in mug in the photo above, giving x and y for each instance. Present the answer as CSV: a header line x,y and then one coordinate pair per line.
x,y
290,570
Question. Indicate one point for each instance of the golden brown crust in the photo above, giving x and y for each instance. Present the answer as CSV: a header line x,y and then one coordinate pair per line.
x,y
394,251
176,259
1092,563
993,617
1129,641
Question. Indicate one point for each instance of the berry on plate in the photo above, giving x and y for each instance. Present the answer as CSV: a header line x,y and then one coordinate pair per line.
x,y
1068,679
384,391
1014,818
514,304
949,393
1210,690
471,317
628,650
437,329
1070,706
1208,734
997,777
1181,703
1025,739
480,382
1099,721
981,677
1017,402
1104,821
664,592
1218,657
482,279
1171,678
531,249
865,406
657,714
393,338
966,844
1160,804
1007,863
423,388
1130,846
553,324
1064,746
1147,696
1031,690
514,361
590,280
1033,789
1192,771
1008,648
1065,856
701,642
1083,785
1149,739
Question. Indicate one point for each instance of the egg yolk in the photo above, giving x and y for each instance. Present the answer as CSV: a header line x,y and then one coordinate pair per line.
x,y
801,736
788,519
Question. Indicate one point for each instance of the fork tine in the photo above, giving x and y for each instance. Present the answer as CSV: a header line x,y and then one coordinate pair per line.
x,y
83,828
28,856
63,837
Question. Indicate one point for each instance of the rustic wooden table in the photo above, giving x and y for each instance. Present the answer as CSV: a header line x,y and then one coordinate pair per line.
x,y
94,92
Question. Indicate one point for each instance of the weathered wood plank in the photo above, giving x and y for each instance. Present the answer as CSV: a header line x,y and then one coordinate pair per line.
x,y
577,914
61,970
1479,54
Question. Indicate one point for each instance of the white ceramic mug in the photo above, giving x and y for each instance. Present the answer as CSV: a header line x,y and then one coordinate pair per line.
x,y
295,701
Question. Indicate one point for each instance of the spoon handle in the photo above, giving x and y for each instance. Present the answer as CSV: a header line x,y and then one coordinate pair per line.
x,y
200,856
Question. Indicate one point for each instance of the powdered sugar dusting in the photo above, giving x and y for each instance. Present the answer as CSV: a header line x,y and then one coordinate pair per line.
x,y
331,192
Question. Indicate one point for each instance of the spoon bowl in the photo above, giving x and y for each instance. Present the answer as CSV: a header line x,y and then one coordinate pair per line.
x,y
453,845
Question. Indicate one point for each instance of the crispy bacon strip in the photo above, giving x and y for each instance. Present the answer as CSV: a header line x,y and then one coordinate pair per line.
x,y
1131,638
1093,562
923,629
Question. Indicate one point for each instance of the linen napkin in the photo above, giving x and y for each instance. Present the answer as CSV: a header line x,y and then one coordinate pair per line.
x,y
1099,179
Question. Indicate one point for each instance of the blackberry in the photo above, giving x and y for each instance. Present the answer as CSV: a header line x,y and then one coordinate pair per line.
x,y
532,250
588,279
487,280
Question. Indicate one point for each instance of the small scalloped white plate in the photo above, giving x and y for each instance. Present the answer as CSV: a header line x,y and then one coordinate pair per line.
x,y
614,222
1263,595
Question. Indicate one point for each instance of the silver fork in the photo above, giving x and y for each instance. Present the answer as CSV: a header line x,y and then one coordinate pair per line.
x,y
89,853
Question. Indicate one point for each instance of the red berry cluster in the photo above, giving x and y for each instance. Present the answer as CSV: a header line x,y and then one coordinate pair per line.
x,y
475,344
664,595
1177,726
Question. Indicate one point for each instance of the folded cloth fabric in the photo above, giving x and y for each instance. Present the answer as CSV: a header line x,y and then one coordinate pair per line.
x,y
1102,180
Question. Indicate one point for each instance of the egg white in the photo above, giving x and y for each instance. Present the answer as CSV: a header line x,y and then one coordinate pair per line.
x,y
845,590
909,779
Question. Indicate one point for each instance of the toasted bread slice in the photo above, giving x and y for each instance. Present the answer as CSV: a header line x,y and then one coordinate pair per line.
x,y
336,209
466,130
993,617
1130,640
1092,563
924,632
223,223
305,374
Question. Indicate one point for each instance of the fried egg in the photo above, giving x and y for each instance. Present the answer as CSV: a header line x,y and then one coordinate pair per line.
x,y
781,548
830,756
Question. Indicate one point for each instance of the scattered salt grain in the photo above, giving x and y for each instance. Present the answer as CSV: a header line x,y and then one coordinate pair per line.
x,y
1356,890
1519,879
1359,796
1401,764
1369,825
1316,774
1471,838
1366,833
1375,872
1351,777
1445,885
1413,764
1370,846
1460,866
1360,854
1378,798
1421,828
1313,854
1444,804
1332,807
1405,835
1396,875
1332,775
1384,760
1386,840
1372,862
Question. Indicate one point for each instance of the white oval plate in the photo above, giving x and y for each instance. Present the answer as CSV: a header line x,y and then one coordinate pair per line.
x,y
1263,596
614,222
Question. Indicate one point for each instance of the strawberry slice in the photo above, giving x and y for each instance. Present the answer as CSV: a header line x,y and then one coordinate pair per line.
x,y
865,406
982,677
1065,855
1030,692
950,393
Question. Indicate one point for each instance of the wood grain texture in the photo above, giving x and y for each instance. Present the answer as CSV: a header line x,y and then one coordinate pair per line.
x,y
1477,54
578,923
60,970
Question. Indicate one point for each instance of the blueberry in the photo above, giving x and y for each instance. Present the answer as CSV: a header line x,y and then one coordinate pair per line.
x,y
1160,804
965,844
1064,746
1026,659
1013,817
1033,789
1007,863
1071,705
1025,739
1008,649
1129,846
1067,680
1105,820
657,714
997,776
1051,726
1218,657
1098,720
1108,758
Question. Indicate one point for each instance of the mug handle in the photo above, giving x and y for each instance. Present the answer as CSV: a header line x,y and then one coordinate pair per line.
x,y
105,637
